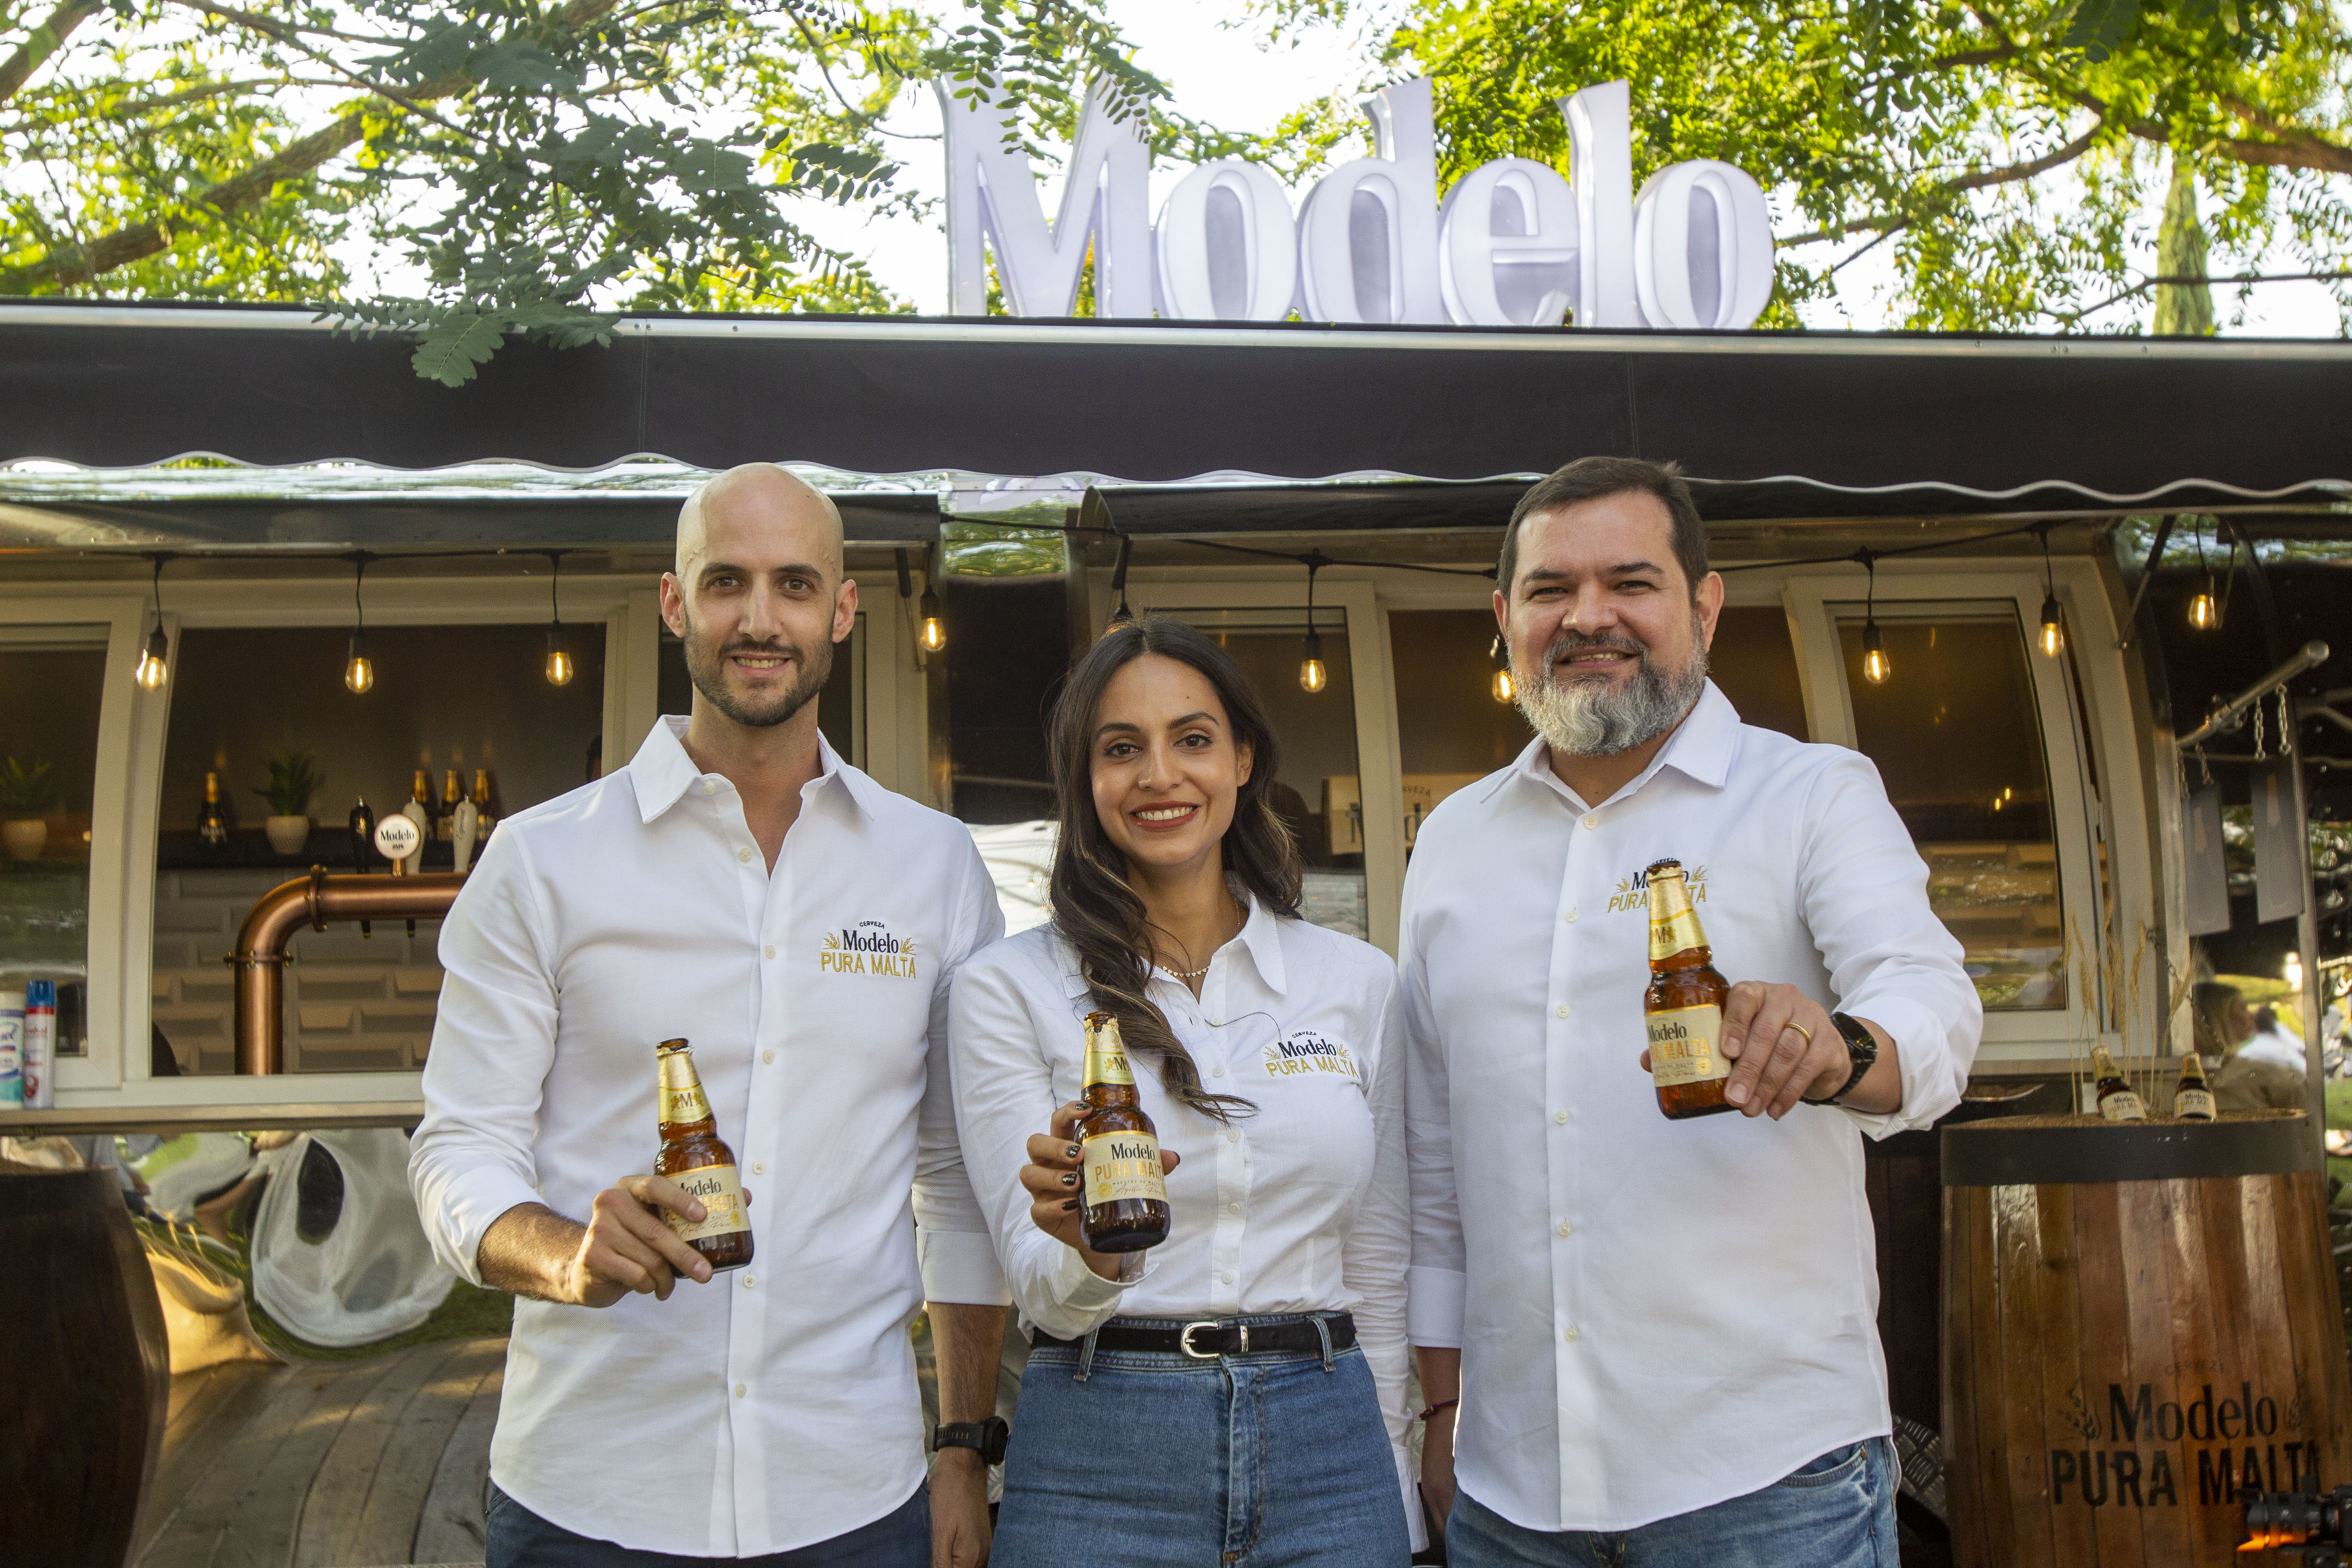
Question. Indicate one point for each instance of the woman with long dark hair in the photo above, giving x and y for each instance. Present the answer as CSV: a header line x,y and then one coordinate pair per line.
x,y
1235,1395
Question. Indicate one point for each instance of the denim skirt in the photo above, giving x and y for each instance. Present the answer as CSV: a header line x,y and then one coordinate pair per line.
x,y
1257,1461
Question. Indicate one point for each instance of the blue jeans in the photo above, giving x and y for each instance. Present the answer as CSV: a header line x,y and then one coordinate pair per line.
x,y
1837,1512
518,1537
1160,1461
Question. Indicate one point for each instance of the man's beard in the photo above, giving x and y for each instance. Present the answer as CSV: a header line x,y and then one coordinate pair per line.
x,y
706,667
1599,717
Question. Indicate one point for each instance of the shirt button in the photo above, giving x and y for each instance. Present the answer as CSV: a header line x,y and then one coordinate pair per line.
x,y
767,1057
1216,1072
741,1391
1570,917
1571,1334
1232,1209
709,789
1560,1011
1560,1117
1227,1276
1592,821
759,1167
749,1280
769,951
743,855
1565,1227
1218,1023
1233,1137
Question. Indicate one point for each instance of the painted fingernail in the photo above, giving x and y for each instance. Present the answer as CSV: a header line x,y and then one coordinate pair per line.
x,y
1075,1151
1737,1094
1069,1203
1069,1178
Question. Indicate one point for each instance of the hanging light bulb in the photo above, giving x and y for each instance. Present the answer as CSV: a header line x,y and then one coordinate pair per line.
x,y
1875,666
1505,688
155,658
359,671
2052,638
559,661
935,626
1312,675
2204,609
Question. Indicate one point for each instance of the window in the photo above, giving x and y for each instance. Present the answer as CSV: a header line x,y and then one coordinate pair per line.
x,y
52,683
1957,734
1451,730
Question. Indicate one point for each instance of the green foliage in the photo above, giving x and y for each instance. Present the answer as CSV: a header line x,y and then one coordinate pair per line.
x,y
2004,156
28,788
293,780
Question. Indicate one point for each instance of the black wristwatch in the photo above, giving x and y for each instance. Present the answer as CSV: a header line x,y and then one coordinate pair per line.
x,y
1861,1047
989,1436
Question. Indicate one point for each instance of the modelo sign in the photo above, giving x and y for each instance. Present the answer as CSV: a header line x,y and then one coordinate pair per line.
x,y
1512,245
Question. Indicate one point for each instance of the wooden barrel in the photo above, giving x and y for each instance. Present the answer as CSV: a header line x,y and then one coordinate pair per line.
x,y
2140,1323
85,1370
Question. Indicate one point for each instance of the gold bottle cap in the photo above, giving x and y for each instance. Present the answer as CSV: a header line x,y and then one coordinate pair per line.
x,y
669,1046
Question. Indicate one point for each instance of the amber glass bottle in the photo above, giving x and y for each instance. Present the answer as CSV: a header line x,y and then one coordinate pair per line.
x,y
1684,1008
2118,1102
2192,1099
1124,1195
693,1156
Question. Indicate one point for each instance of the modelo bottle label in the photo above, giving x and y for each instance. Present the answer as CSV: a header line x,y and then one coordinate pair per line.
x,y
2124,1105
1123,1165
684,1102
1686,1045
720,1190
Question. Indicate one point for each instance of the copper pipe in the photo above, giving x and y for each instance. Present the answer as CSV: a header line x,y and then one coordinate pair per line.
x,y
313,901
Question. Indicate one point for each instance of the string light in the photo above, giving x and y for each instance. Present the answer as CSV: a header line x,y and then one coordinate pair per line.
x,y
155,658
1875,666
1312,675
2054,629
359,671
559,661
2204,610
1505,688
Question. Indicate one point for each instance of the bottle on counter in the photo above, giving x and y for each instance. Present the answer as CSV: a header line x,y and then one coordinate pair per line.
x,y
38,1065
488,815
1123,1192
445,814
212,819
12,1049
694,1157
2192,1099
2118,1102
1682,1010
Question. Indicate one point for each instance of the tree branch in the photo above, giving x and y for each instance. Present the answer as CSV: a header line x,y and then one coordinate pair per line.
x,y
44,41
1942,193
2145,284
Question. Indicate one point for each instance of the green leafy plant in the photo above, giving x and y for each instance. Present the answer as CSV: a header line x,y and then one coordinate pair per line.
x,y
293,780
28,788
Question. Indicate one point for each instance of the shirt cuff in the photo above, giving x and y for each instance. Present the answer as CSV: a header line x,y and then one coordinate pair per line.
x,y
1435,1299
1079,1290
1926,1095
473,1202
960,1266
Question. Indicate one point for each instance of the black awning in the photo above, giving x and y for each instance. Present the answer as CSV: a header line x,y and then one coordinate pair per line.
x,y
2108,421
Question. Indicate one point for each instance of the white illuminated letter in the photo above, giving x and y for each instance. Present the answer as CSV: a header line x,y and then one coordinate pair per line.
x,y
1600,172
1702,248
991,194
1394,194
1253,253
1506,253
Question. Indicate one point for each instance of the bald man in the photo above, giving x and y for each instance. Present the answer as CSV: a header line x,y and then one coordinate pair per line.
x,y
742,886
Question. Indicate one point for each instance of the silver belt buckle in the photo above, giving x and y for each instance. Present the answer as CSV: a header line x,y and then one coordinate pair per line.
x,y
1184,1340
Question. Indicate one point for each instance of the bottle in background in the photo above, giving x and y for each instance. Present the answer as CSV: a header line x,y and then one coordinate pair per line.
x,y
212,820
2118,1102
1682,1010
488,817
12,1048
445,815
693,1156
38,1062
2191,1099
1123,1192
362,835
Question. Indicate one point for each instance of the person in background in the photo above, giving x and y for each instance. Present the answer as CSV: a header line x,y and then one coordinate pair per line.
x,y
1236,1393
739,885
1662,1333
2246,1078
2274,1040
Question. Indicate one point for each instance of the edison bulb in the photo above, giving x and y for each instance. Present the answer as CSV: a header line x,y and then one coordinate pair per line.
x,y
935,626
1875,666
2203,613
1312,675
2054,629
359,673
152,662
1505,690
559,666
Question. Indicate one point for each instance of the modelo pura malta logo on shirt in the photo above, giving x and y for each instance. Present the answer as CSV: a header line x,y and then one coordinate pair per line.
x,y
1634,892
867,948
1303,1052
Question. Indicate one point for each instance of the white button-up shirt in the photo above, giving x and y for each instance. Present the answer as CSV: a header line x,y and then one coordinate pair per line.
x,y
1654,1315
776,1405
1298,1208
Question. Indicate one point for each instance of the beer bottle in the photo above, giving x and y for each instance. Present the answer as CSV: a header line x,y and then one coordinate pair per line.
x,y
1123,1194
445,819
692,1156
486,817
1684,1007
212,822
2191,1101
2118,1102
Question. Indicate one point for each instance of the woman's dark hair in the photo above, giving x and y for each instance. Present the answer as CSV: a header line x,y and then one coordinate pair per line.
x,y
2209,1012
1095,909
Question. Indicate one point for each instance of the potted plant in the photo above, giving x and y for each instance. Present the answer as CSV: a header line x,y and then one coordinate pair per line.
x,y
293,779
26,789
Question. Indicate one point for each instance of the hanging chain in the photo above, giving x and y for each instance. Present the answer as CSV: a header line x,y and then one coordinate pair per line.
x,y
2256,714
2286,726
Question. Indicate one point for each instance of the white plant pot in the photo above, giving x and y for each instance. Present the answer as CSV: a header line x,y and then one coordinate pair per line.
x,y
23,836
288,834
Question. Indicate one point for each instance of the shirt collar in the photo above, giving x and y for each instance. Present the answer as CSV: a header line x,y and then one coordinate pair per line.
x,y
1700,749
661,772
1261,938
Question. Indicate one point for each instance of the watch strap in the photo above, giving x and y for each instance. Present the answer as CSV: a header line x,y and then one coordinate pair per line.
x,y
1861,1047
988,1438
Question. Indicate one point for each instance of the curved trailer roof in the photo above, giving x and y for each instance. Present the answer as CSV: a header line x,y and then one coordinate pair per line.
x,y
1774,423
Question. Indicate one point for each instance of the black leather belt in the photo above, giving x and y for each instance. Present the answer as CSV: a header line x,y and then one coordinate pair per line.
x,y
1209,1338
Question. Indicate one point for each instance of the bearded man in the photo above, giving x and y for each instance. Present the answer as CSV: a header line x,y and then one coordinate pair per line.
x,y
1643,1342
739,885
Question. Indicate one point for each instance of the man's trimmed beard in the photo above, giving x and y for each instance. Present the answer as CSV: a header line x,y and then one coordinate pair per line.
x,y
1597,717
707,667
